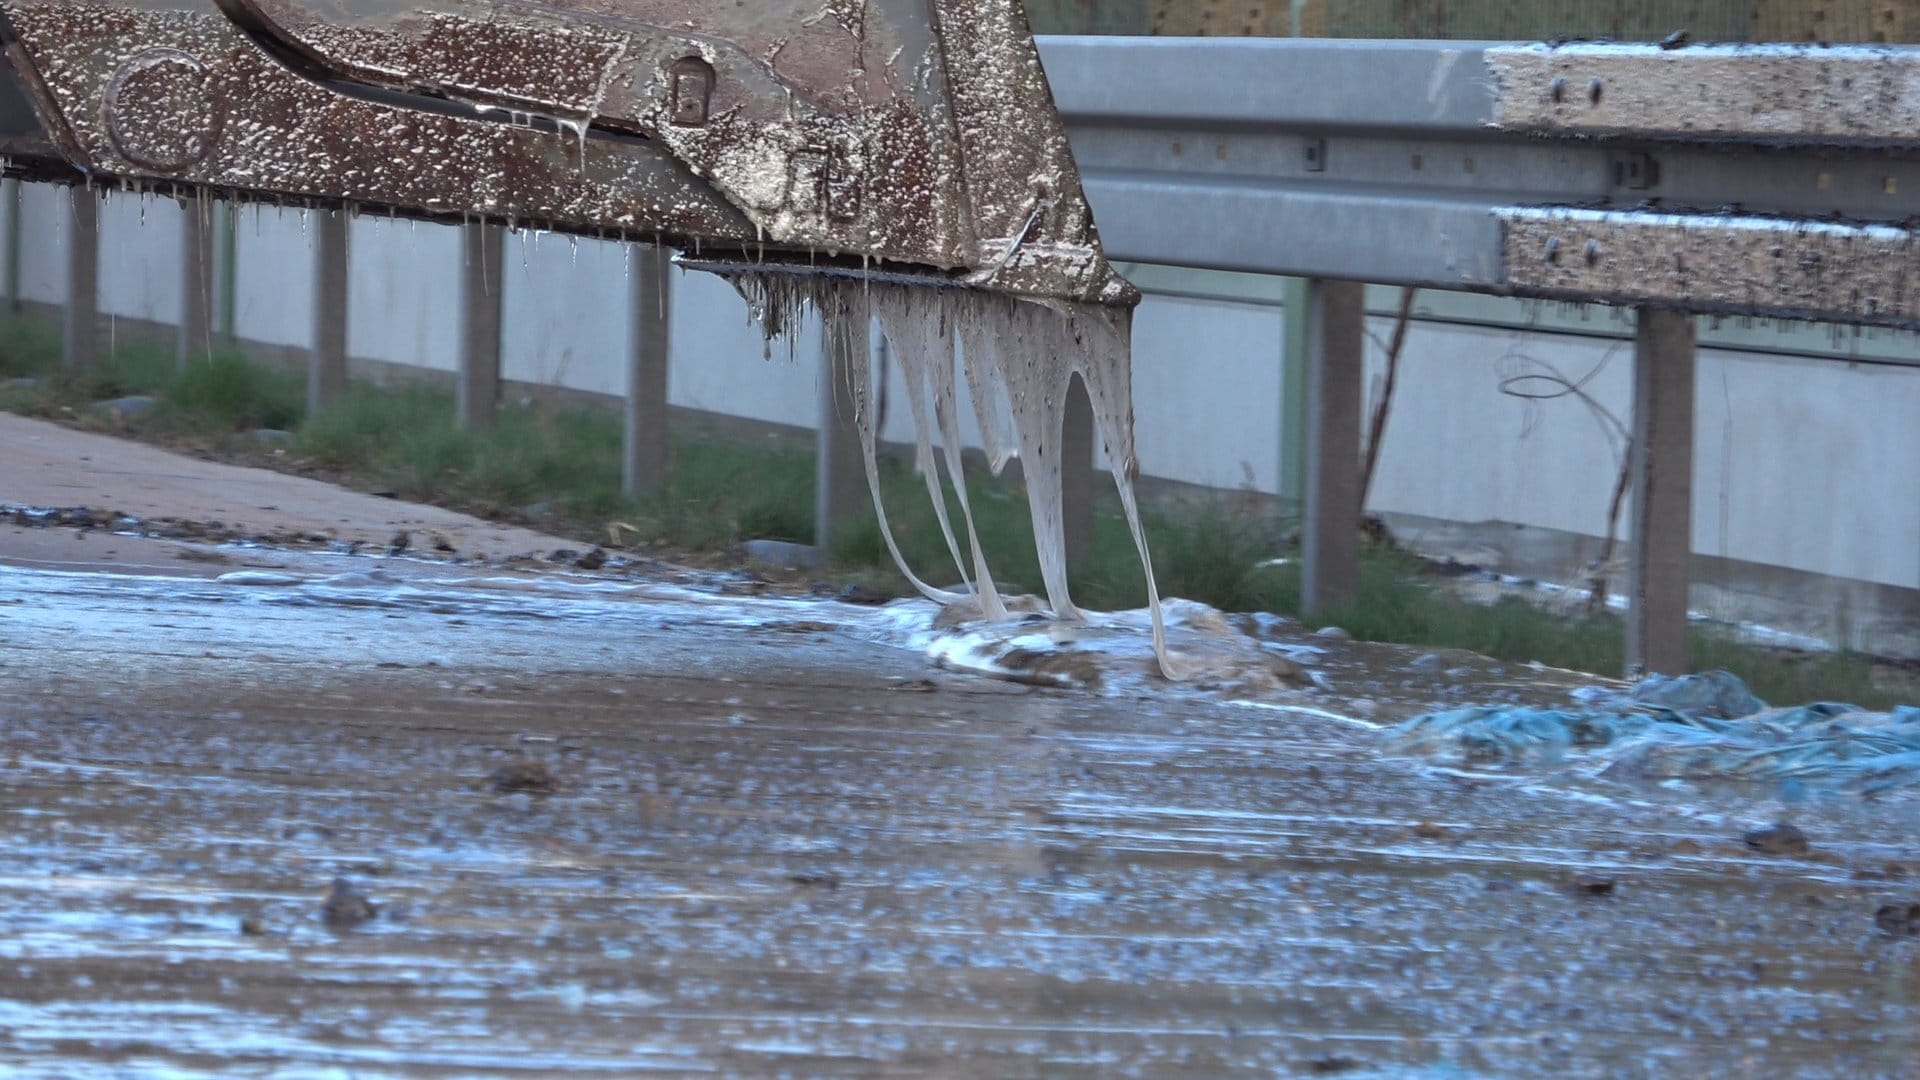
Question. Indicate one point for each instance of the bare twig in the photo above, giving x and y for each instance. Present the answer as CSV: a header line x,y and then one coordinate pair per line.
x,y
1377,426
1548,384
1597,581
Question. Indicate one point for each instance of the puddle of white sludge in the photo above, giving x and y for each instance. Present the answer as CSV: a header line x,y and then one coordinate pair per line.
x,y
1113,652
800,835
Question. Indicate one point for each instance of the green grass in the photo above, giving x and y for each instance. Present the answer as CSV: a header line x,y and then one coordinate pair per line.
x,y
227,392
28,347
222,393
558,468
30,350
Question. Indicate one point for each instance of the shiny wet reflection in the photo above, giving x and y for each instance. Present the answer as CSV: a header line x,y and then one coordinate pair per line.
x,y
763,835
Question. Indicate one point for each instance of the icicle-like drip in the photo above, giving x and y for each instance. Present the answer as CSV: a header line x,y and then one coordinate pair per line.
x,y
919,326
1010,346
1106,366
1020,356
988,392
847,312
775,303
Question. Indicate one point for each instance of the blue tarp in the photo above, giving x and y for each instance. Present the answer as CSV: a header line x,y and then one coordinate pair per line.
x,y
1696,726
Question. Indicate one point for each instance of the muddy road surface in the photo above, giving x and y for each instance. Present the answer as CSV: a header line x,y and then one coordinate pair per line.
x,y
310,815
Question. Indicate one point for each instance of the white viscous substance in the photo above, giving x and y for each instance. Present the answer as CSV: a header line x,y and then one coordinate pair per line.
x,y
1020,358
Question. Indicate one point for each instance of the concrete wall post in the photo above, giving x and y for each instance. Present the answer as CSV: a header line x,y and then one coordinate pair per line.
x,y
644,462
477,394
840,477
80,343
327,364
195,337
10,203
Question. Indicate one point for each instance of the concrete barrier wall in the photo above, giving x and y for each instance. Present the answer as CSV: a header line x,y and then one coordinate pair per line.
x,y
142,280
719,364
403,292
273,277
43,222
565,313
1207,395
1802,463
1810,466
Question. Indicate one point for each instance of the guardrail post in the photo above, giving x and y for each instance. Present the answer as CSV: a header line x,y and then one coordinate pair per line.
x,y
1293,395
477,395
79,346
644,462
327,364
1662,466
840,471
195,341
1330,532
1076,474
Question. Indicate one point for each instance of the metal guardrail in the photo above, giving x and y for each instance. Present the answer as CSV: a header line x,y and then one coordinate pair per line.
x,y
1756,334
1765,180
1770,180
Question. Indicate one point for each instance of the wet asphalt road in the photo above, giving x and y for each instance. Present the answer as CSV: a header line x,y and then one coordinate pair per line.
x,y
773,845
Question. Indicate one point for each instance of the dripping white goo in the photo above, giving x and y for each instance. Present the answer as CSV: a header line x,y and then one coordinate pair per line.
x,y
1020,357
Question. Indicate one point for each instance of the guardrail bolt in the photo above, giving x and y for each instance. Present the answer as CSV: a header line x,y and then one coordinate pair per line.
x,y
1637,171
1593,90
692,88
1557,89
1552,254
1593,252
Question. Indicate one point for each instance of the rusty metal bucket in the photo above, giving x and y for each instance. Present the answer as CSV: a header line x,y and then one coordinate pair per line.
x,y
913,137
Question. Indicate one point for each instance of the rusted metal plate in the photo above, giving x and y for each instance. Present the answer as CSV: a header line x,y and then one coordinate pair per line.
x,y
23,141
1710,262
1020,178
1223,18
810,122
1746,93
1835,20
918,132
1500,20
174,92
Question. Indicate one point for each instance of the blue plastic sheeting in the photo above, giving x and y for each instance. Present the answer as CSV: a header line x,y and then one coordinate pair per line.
x,y
1710,693
1699,729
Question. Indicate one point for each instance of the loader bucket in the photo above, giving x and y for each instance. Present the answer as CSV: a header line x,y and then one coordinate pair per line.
x,y
915,138
787,144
